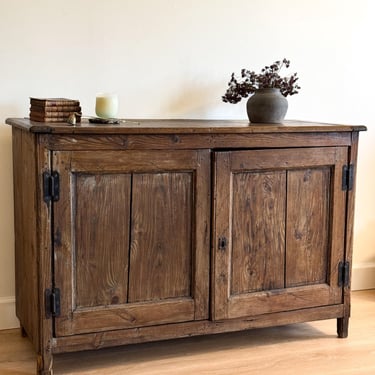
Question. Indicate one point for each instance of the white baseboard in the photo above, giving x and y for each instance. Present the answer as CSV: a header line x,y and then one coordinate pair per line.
x,y
8,317
363,276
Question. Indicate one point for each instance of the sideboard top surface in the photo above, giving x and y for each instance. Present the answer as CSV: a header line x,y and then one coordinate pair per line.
x,y
179,126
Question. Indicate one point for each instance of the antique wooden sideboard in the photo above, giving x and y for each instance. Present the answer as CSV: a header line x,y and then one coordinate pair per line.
x,y
157,229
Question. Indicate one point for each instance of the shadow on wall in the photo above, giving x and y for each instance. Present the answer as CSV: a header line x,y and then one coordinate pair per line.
x,y
364,238
12,110
6,131
6,111
194,101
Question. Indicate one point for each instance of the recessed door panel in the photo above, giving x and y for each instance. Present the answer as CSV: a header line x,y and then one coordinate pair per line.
x,y
102,207
308,226
161,243
258,231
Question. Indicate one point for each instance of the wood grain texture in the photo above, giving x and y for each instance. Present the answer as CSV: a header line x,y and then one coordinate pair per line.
x,y
166,126
187,329
161,248
45,268
32,219
101,258
342,324
26,243
282,217
221,230
133,315
183,141
258,236
202,235
308,226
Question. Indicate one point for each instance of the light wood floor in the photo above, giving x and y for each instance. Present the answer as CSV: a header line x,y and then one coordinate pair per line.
x,y
308,349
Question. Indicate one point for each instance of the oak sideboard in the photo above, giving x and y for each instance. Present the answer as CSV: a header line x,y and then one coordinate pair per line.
x,y
157,229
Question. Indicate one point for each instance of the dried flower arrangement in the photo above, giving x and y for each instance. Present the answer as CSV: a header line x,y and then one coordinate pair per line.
x,y
268,78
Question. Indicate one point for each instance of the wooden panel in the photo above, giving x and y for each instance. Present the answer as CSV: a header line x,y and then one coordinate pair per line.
x,y
286,299
101,238
258,231
25,232
205,327
342,324
108,318
222,227
201,234
161,247
308,226
197,141
285,158
45,220
134,161
32,218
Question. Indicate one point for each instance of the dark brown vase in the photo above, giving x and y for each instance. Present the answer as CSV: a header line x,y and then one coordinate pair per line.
x,y
267,106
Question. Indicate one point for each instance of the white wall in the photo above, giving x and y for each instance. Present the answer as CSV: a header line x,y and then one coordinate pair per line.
x,y
173,58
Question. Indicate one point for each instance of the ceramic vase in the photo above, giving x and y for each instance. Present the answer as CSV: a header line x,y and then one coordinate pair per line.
x,y
267,106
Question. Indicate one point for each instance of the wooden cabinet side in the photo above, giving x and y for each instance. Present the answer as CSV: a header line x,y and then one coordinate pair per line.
x,y
25,224
32,217
343,323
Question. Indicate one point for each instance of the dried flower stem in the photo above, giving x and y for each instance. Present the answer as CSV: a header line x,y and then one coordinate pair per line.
x,y
268,78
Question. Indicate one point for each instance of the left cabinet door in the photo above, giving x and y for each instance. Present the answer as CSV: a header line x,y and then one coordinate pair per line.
x,y
131,238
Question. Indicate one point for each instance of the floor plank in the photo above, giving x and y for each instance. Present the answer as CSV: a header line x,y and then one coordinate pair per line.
x,y
308,349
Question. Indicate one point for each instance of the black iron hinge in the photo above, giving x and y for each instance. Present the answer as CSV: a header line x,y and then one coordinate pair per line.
x,y
347,177
51,186
52,302
344,272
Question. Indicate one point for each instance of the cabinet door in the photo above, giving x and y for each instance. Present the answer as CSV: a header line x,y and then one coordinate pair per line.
x,y
279,224
131,238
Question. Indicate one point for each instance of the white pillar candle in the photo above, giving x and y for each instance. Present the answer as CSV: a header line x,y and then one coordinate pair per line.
x,y
106,105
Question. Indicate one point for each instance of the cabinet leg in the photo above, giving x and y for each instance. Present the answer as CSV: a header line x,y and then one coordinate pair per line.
x,y
23,332
44,364
342,327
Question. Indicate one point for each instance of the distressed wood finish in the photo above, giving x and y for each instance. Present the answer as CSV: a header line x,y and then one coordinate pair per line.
x,y
171,126
125,227
204,327
308,229
161,259
192,141
144,245
283,219
101,259
32,244
258,231
26,243
343,323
